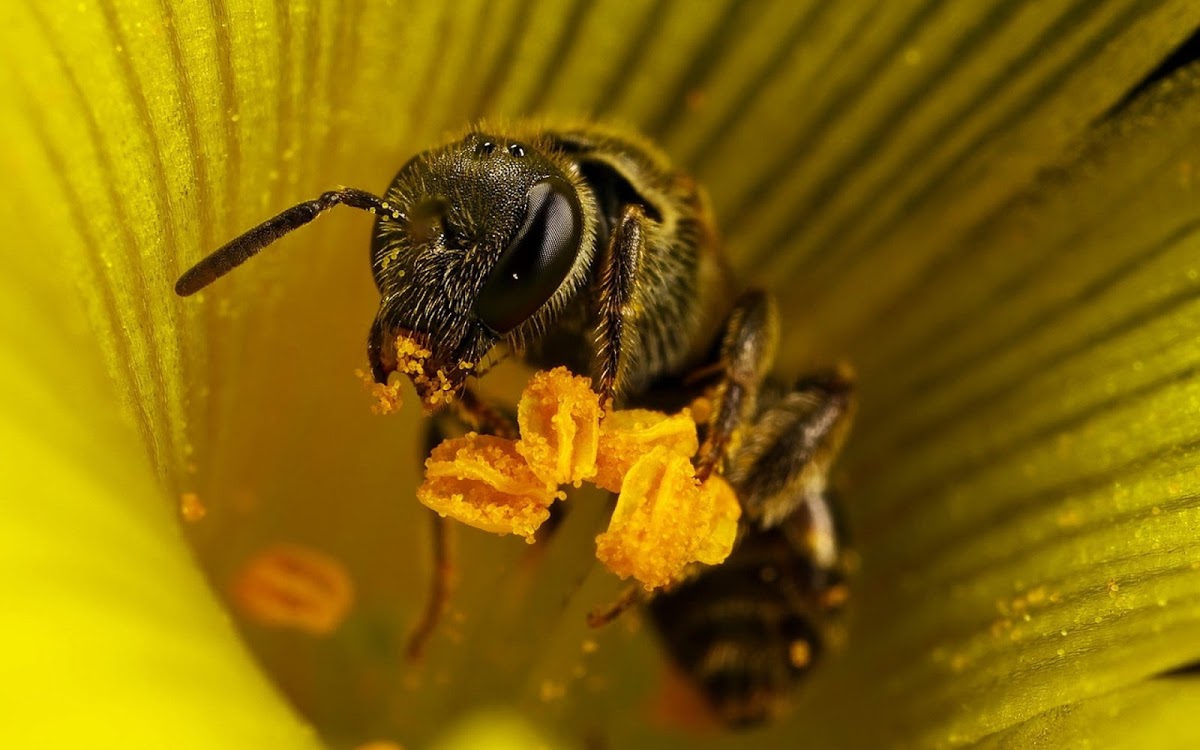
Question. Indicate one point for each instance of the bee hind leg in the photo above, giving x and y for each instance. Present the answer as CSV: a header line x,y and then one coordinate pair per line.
x,y
781,465
748,630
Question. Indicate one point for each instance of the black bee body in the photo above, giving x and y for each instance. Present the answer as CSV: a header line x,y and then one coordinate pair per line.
x,y
746,631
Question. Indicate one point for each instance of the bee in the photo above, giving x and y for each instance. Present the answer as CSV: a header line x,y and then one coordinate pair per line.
x,y
583,246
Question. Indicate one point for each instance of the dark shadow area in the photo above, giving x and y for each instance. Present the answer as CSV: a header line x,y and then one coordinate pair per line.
x,y
1186,53
1187,670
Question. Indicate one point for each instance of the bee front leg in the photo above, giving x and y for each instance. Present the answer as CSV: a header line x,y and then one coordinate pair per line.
x,y
472,413
485,418
617,274
746,354
439,588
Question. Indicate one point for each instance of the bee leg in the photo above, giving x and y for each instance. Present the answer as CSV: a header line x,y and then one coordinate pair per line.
x,y
617,275
483,417
631,596
749,629
634,594
473,413
436,431
782,463
439,589
747,352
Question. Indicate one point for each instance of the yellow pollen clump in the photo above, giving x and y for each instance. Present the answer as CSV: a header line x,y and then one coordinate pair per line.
x,y
800,654
386,395
559,419
664,521
483,482
628,434
701,409
718,506
411,357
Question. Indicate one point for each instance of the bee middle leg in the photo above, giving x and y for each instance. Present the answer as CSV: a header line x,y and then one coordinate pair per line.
x,y
747,351
439,588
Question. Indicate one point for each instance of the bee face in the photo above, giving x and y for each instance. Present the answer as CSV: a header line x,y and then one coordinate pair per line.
x,y
493,238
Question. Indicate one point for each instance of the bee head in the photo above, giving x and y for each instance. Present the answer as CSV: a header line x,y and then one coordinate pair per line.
x,y
479,242
493,238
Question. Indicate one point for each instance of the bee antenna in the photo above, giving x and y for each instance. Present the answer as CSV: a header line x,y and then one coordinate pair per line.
x,y
243,248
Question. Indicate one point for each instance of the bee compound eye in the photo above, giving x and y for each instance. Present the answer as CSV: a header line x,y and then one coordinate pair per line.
x,y
538,259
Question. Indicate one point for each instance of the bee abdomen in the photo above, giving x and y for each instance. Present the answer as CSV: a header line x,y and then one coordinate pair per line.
x,y
743,630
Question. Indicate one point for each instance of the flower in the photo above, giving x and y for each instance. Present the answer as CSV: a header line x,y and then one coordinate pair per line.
x,y
960,199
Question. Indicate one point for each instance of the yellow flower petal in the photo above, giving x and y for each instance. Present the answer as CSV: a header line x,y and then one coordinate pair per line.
x,y
109,634
1160,713
1025,446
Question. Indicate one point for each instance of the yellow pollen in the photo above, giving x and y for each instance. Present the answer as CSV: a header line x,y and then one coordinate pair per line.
x,y
664,521
799,654
835,596
191,508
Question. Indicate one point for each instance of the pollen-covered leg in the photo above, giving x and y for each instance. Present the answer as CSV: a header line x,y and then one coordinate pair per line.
x,y
617,277
747,352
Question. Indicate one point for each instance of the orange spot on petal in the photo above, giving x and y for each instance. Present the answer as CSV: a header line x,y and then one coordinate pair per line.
x,y
291,586
191,508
